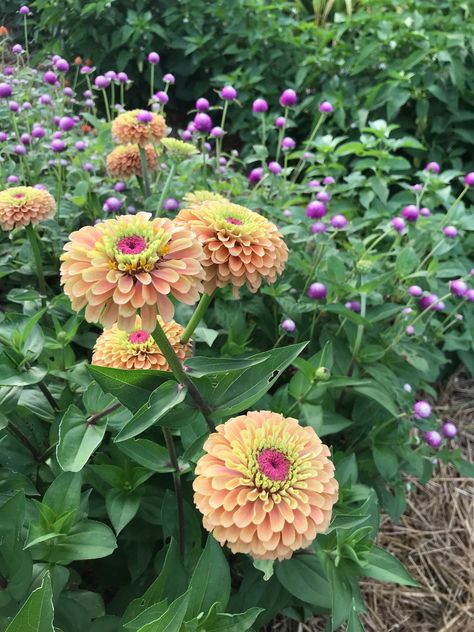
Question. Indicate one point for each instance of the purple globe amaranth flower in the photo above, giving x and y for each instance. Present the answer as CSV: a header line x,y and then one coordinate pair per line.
x,y
409,330
425,211
8,71
3,137
144,116
66,123
326,107
256,175
314,184
20,150
308,155
259,106
288,143
58,145
323,196
170,204
88,166
202,122
12,179
24,10
217,132
122,77
458,287
13,106
433,167
469,296
406,311
186,135
112,204
87,93
274,167
222,161
112,75
422,409
202,104
338,221
162,97
61,65
416,188
40,187
50,77
85,70
411,213
131,210
288,98
469,179
101,82
207,147
80,145
315,209
25,139
68,92
38,131
153,58
328,180
415,290
58,134
450,231
317,291
280,122
449,430
288,325
433,438
287,212
169,78
26,105
89,103
17,49
56,120
428,301
229,93
354,306
398,224
5,90
318,227
120,186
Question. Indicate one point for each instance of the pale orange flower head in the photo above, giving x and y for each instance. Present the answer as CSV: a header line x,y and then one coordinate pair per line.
x,y
265,486
137,349
197,198
124,161
126,128
241,247
130,266
20,206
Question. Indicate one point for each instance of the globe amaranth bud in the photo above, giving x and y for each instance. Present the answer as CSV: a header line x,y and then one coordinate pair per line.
x,y
364,265
449,430
323,374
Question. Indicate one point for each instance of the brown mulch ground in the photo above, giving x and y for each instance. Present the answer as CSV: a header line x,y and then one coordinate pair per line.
x,y
435,541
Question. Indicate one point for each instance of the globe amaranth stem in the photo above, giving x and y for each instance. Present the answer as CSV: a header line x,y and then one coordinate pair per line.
x,y
35,248
166,187
196,317
146,178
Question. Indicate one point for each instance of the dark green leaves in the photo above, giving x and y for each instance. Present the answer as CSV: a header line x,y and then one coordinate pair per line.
x,y
78,439
36,614
210,581
384,566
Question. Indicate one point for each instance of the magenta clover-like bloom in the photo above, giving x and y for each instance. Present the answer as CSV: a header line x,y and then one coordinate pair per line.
x,y
315,209
433,438
259,106
326,107
449,430
288,98
317,291
202,122
288,325
433,167
153,58
422,409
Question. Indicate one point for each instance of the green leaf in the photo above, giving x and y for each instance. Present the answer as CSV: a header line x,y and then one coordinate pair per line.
x,y
172,619
210,581
386,461
303,577
122,507
11,376
77,439
64,493
384,566
201,366
36,614
223,622
161,401
407,261
267,568
379,395
87,540
148,454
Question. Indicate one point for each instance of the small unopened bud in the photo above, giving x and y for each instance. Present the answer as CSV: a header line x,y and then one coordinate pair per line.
x,y
323,374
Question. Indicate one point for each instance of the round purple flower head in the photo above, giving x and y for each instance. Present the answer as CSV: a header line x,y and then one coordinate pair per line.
x,y
315,209
433,438
122,77
112,204
12,179
153,58
328,180
450,231
458,287
101,82
469,296
144,116
287,212
169,78
256,175
416,188
469,179
38,131
66,123
61,65
13,106
411,213
274,167
24,10
80,145
85,70
68,92
20,150
314,184
288,143
288,98
202,122
25,139
217,132
415,290
162,97
50,77
259,106
202,104
26,105
17,49
429,301
326,107
338,221
186,135
354,306
308,155
449,430
58,145
280,122
120,186
288,325
433,167
3,137
88,166
422,409
5,90
409,330
323,196
398,224
317,291
318,227
425,211
407,310
170,204
229,93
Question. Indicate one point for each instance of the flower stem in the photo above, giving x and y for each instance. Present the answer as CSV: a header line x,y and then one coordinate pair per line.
x,y
264,139
165,188
177,487
146,179
312,136
180,375
219,140
280,135
14,430
106,103
453,205
196,317
35,248
25,30
152,81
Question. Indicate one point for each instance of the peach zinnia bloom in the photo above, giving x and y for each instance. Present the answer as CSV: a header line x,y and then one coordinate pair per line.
x,y
265,486
126,128
241,247
196,198
124,161
20,206
131,264
137,349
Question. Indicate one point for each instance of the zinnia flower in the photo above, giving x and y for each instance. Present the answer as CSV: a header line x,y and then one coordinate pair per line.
x,y
124,161
20,206
131,263
265,485
126,128
241,247
196,198
137,349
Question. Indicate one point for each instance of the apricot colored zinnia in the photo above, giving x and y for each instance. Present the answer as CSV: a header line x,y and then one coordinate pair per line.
x,y
241,247
124,161
126,128
129,265
20,206
197,198
137,349
265,486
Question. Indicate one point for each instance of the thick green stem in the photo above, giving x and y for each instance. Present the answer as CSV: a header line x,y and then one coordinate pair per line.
x,y
280,135
312,136
166,187
35,248
177,488
106,103
146,179
196,317
25,30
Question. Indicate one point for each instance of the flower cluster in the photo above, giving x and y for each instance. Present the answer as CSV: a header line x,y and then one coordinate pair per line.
x,y
20,206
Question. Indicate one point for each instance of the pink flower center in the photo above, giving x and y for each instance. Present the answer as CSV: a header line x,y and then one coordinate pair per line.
x,y
132,245
19,195
233,220
138,337
273,464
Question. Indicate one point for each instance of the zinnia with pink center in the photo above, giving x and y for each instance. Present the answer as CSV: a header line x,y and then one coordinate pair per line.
x,y
131,265
265,486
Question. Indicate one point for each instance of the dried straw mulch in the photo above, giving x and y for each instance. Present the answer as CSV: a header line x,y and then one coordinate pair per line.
x,y
435,541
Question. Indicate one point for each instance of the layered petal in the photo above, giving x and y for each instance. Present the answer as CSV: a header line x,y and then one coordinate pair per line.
x,y
20,206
